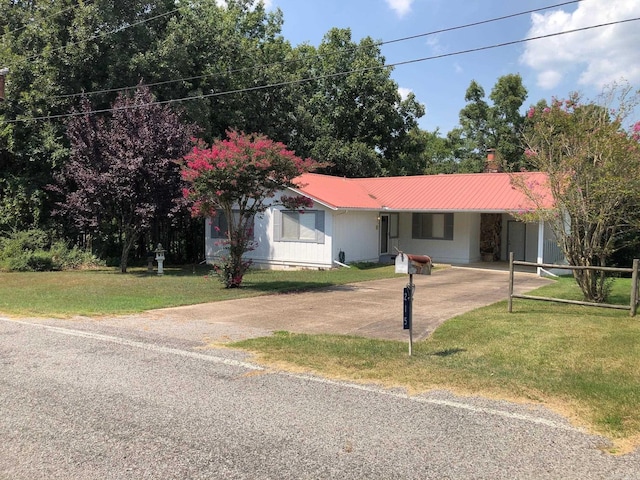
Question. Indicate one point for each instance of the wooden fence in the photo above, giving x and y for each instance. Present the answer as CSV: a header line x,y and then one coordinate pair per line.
x,y
633,303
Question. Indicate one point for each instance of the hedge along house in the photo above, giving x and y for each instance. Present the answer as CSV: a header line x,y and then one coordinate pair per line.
x,y
455,219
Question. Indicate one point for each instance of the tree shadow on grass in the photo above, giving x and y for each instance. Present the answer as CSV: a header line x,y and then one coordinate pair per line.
x,y
182,271
447,352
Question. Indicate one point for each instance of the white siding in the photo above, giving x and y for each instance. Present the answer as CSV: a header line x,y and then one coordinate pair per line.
x,y
357,235
463,249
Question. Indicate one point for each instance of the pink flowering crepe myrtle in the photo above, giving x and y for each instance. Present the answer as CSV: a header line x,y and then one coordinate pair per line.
x,y
240,176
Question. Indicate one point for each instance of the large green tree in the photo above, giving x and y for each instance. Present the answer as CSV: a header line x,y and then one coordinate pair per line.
x,y
429,153
497,125
593,168
350,112
228,60
228,55
55,50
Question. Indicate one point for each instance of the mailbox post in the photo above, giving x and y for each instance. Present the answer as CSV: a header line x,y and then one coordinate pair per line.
x,y
410,264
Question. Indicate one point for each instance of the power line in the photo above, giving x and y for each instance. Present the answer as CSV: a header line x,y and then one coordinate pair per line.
x,y
286,62
319,77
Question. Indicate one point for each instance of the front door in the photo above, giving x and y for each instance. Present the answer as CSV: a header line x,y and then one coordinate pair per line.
x,y
517,239
384,234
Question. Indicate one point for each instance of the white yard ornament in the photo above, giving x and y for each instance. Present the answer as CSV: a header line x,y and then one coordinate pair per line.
x,y
160,258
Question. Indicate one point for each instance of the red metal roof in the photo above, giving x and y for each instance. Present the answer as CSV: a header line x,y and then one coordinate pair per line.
x,y
486,192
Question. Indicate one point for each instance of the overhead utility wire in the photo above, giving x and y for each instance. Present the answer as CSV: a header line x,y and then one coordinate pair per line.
x,y
286,62
332,75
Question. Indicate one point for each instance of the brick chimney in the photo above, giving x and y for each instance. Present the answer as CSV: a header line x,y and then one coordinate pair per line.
x,y
491,165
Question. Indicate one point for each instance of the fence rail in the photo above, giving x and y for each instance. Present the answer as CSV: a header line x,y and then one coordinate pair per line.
x,y
633,302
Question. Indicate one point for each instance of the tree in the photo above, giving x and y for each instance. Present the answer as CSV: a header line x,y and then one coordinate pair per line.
x,y
54,50
350,113
425,153
497,126
122,170
217,47
593,168
239,177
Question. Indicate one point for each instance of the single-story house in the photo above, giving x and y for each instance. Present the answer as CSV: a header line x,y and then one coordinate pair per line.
x,y
455,219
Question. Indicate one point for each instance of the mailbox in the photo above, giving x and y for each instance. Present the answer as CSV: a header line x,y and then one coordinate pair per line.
x,y
410,264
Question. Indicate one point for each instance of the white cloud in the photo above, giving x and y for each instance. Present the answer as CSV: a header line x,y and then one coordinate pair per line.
x,y
549,79
404,92
599,56
401,7
433,42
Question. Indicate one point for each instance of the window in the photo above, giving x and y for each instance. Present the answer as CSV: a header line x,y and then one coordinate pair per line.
x,y
220,226
435,226
294,226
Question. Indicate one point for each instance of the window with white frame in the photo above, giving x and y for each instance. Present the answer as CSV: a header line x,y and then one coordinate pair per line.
x,y
295,226
432,226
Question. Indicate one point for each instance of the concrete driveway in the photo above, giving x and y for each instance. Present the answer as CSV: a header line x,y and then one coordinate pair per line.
x,y
369,309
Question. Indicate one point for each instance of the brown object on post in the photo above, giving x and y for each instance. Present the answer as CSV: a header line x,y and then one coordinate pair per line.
x,y
422,263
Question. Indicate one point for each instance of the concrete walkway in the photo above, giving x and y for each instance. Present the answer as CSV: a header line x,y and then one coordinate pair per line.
x,y
369,309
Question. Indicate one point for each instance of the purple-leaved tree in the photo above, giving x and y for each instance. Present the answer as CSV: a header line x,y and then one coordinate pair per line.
x,y
122,168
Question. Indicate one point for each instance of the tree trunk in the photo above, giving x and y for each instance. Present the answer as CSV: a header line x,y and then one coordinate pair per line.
x,y
595,285
126,247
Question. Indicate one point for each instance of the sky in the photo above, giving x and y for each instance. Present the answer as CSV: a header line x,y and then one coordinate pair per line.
x,y
552,67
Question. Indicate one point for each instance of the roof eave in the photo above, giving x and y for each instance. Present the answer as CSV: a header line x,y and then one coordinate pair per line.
x,y
315,200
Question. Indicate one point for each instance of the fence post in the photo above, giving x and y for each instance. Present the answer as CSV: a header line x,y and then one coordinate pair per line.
x,y
634,288
510,282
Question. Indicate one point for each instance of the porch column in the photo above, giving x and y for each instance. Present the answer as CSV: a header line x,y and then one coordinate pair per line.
x,y
540,246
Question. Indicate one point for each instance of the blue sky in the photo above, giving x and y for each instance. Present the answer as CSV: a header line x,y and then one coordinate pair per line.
x,y
555,66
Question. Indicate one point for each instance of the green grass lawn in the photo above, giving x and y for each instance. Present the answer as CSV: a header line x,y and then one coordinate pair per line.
x,y
107,291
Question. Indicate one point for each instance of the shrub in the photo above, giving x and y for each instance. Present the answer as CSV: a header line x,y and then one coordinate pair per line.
x,y
33,251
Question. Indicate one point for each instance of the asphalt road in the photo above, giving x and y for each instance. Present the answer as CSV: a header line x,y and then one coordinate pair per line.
x,y
105,403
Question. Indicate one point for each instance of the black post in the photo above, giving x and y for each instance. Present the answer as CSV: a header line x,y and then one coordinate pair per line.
x,y
411,290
